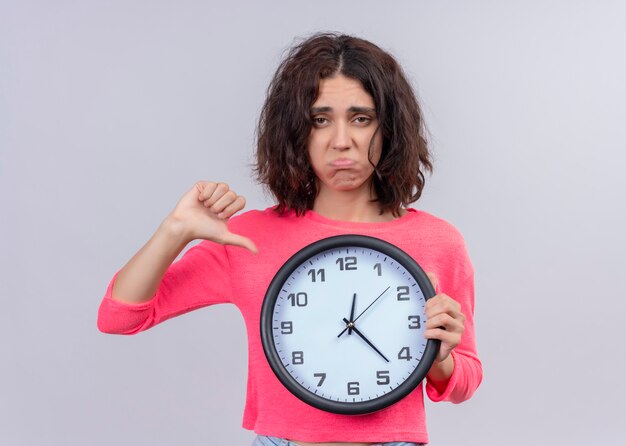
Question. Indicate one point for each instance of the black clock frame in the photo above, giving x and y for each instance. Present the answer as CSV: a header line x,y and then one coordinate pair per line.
x,y
267,339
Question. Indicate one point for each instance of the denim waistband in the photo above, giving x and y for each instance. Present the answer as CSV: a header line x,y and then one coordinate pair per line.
x,y
262,440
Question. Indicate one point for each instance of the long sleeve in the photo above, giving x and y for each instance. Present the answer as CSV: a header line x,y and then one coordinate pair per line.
x,y
467,374
200,278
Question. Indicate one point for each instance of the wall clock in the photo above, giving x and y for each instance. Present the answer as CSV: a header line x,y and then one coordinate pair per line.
x,y
342,324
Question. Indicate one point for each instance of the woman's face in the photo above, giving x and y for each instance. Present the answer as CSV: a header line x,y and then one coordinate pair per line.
x,y
344,122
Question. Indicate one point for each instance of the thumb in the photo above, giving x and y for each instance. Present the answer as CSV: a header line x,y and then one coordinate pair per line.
x,y
238,240
434,281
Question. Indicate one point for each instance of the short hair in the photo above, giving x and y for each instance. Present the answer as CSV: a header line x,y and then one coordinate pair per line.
x,y
282,160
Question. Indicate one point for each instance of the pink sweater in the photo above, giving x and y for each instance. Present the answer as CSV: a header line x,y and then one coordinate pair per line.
x,y
210,273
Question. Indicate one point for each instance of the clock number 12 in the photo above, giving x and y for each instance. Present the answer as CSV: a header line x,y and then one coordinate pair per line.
x,y
346,263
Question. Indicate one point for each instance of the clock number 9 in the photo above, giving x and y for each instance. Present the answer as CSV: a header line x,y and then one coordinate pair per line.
x,y
286,327
298,299
346,263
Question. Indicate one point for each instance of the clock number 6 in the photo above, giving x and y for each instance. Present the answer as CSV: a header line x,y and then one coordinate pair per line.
x,y
353,388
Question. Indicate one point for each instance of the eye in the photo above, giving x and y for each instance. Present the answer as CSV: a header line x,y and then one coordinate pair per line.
x,y
362,119
319,121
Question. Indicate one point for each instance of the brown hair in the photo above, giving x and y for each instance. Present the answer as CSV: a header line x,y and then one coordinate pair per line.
x,y
282,162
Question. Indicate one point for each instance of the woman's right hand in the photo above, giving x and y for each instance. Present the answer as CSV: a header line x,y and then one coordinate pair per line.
x,y
203,213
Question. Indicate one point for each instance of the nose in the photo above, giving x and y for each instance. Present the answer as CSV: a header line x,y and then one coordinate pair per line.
x,y
341,137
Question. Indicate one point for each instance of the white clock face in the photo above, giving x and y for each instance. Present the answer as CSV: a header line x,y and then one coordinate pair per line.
x,y
348,323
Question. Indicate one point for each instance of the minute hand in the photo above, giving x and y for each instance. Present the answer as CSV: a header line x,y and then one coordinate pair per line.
x,y
361,314
362,336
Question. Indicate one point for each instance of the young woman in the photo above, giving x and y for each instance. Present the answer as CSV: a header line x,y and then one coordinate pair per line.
x,y
341,146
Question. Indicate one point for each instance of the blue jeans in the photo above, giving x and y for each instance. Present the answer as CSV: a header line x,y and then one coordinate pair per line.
x,y
262,440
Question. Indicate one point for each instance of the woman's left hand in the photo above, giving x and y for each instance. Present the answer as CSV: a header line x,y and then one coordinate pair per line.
x,y
445,321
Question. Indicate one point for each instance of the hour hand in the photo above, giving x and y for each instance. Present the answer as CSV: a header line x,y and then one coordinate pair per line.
x,y
352,313
348,327
362,312
362,336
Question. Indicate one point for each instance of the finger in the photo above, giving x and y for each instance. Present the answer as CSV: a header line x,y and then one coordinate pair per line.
x,y
452,339
238,204
433,280
442,303
238,240
433,311
445,321
224,201
205,189
213,194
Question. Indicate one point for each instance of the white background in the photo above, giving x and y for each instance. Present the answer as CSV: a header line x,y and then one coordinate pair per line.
x,y
110,110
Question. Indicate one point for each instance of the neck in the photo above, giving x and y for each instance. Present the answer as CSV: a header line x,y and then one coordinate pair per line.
x,y
348,206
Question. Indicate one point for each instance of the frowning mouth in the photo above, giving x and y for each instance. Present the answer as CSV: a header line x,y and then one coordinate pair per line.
x,y
343,163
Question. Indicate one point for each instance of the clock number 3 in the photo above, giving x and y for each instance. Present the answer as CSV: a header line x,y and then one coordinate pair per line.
x,y
414,322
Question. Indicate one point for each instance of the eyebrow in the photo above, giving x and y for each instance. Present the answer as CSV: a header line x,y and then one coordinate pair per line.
x,y
353,109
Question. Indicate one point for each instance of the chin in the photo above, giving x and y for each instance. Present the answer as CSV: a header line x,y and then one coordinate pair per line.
x,y
346,186
344,180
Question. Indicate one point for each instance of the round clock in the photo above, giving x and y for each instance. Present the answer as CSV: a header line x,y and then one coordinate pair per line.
x,y
342,324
